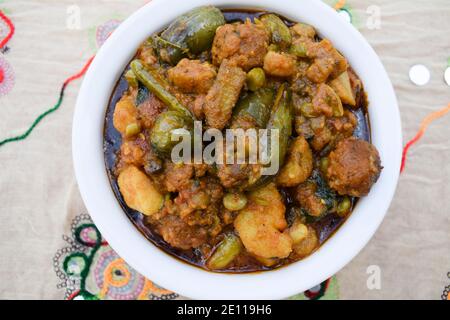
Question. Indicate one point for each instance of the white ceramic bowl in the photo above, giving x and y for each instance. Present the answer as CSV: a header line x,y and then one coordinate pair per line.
x,y
183,278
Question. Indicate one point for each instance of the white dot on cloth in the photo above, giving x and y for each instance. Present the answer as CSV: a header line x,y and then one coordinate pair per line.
x,y
344,14
419,74
447,76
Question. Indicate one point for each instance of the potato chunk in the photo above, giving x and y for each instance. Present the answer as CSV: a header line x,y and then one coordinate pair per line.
x,y
279,64
298,166
261,224
125,114
298,232
139,192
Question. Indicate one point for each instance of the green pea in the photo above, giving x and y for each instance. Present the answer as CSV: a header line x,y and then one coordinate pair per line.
x,y
344,207
307,110
274,47
256,78
298,49
132,129
191,33
201,199
234,201
324,162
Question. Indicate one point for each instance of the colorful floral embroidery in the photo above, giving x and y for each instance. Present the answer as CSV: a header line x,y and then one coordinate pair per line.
x,y
101,32
6,71
90,270
69,80
6,77
423,128
105,30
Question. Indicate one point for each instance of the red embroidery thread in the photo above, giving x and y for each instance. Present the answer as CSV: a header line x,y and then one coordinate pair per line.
x,y
11,29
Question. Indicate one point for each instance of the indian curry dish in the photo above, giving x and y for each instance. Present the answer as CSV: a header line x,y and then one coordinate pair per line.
x,y
238,69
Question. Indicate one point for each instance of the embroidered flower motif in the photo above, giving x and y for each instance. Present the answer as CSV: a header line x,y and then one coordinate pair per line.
x,y
6,77
89,269
105,30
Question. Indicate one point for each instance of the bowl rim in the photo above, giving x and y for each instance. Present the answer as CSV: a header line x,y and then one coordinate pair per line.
x,y
182,278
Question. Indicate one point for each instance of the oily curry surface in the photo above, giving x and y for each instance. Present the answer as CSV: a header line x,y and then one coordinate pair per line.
x,y
238,69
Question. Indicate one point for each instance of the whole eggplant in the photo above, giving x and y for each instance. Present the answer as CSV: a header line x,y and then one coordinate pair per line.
x,y
278,30
191,33
165,124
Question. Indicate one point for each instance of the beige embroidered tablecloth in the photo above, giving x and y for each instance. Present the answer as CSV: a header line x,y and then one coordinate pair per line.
x,y
409,257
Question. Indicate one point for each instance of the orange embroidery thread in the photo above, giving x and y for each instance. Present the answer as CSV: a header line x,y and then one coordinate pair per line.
x,y
423,127
110,280
339,5
11,31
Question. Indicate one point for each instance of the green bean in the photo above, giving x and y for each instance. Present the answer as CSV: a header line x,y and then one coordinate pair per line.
x,y
279,31
256,78
131,79
149,79
191,33
281,119
235,201
225,253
